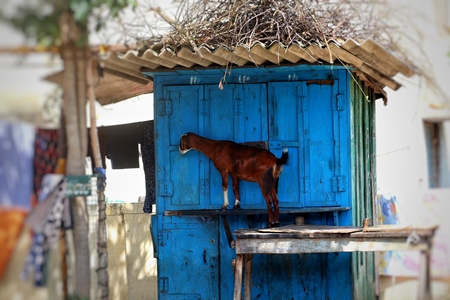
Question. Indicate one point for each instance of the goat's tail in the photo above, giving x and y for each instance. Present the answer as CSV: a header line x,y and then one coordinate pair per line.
x,y
284,157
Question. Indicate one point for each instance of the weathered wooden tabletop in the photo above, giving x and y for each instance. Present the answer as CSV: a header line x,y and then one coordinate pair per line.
x,y
292,239
320,231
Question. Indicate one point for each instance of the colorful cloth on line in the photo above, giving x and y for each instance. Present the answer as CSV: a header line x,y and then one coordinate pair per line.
x,y
16,184
46,220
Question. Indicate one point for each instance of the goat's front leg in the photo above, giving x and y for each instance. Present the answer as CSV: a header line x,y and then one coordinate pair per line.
x,y
237,203
225,190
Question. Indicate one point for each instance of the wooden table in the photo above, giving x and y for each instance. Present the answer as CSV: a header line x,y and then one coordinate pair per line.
x,y
294,239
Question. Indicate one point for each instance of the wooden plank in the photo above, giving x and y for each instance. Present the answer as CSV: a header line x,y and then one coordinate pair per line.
x,y
314,245
390,228
311,229
351,232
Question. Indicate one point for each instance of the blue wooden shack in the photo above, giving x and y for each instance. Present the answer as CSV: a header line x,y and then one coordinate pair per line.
x,y
324,113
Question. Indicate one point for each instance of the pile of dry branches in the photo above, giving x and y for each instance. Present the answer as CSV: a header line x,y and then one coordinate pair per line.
x,y
233,23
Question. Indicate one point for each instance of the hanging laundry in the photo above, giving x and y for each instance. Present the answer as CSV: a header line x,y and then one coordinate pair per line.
x,y
121,144
16,184
147,141
45,155
52,213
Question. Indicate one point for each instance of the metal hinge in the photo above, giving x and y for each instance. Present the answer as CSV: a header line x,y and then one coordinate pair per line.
x,y
165,188
338,184
164,107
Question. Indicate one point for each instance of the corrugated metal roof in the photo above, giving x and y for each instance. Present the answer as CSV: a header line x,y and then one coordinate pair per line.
x,y
375,63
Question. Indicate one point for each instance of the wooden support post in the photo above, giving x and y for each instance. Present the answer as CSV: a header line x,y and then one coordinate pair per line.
x,y
248,276
226,226
424,276
238,276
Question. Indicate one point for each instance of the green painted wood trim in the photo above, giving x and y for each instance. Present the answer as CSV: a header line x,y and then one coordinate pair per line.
x,y
362,100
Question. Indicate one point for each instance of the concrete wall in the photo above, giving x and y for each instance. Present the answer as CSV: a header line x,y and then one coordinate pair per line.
x,y
131,266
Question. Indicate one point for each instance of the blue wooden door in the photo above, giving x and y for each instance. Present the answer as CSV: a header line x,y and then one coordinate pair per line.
x,y
309,119
325,141
189,259
180,112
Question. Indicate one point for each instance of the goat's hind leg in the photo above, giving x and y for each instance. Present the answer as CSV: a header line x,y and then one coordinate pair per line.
x,y
268,199
268,188
276,209
270,215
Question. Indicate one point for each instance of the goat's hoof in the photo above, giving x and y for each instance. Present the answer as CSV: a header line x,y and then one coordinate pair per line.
x,y
274,224
224,207
237,206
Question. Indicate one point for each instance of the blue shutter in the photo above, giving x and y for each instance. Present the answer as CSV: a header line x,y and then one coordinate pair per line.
x,y
183,173
325,140
285,106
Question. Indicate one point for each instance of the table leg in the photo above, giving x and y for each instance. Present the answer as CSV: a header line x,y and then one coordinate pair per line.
x,y
238,276
424,276
248,276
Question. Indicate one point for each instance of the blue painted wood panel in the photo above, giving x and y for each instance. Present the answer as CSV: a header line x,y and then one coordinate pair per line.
x,y
326,162
311,119
189,269
284,132
180,111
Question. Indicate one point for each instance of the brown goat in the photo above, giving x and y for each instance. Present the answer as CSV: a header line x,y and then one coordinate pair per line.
x,y
242,162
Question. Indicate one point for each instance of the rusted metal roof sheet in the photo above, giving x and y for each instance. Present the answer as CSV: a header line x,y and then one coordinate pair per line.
x,y
368,58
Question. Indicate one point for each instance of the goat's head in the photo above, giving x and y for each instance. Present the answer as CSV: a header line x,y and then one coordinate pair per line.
x,y
184,143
